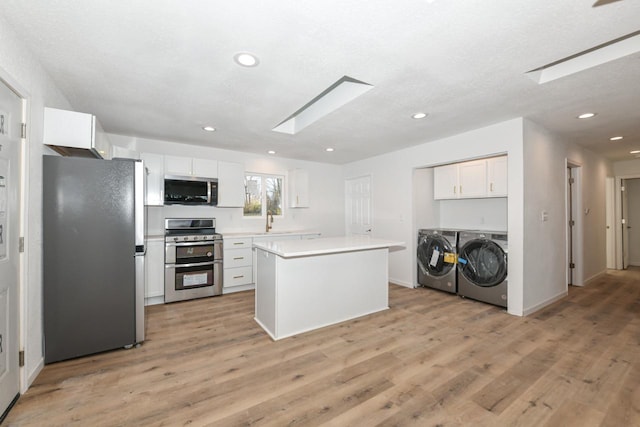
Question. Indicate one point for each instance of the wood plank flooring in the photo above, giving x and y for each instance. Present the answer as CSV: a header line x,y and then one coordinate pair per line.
x,y
433,359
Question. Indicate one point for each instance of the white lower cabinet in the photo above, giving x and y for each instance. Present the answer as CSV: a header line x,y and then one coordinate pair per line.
x,y
239,259
154,272
238,264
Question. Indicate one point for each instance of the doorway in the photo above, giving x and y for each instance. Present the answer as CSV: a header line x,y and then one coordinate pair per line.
x,y
573,216
631,217
11,144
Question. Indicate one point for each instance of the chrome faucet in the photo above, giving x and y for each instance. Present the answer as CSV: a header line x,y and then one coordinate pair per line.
x,y
269,223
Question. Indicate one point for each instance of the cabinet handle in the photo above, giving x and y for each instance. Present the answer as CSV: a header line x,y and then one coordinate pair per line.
x,y
238,277
297,201
461,189
239,257
238,243
454,190
491,187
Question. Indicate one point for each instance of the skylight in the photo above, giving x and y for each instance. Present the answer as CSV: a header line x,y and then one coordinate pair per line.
x,y
335,96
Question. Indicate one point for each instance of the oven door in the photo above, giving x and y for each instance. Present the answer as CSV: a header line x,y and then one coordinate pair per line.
x,y
193,252
188,281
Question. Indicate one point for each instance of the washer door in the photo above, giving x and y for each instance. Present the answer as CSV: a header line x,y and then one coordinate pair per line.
x,y
431,255
483,262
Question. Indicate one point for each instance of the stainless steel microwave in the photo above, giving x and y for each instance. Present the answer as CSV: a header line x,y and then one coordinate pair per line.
x,y
189,190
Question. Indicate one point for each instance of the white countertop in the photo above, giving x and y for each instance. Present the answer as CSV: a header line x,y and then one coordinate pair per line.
x,y
324,245
265,234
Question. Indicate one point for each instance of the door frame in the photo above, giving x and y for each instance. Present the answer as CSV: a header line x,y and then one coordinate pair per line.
x,y
610,220
618,216
577,235
23,214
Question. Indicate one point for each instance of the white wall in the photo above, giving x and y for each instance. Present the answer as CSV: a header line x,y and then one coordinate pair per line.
x,y
21,70
545,261
393,178
627,168
326,188
474,214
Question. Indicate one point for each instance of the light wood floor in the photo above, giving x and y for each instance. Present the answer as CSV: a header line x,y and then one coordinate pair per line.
x,y
433,359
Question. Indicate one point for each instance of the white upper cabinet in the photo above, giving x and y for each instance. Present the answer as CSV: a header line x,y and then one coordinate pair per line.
x,y
445,182
298,188
154,164
205,168
230,185
473,179
175,165
71,133
187,166
497,177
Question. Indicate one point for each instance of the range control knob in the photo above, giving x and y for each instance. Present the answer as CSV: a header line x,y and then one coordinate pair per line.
x,y
175,239
186,238
209,254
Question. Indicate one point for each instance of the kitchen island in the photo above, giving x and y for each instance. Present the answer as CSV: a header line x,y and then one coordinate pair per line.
x,y
303,285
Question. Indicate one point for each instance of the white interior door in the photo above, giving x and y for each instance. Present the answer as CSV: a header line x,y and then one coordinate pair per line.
x,y
625,229
358,206
10,136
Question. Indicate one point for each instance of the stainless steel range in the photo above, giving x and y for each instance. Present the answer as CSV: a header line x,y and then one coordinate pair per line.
x,y
193,259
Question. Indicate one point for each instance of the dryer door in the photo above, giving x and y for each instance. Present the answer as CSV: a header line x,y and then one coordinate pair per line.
x,y
432,249
483,262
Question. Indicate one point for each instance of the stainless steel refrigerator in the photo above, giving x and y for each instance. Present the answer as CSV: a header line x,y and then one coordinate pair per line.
x,y
93,243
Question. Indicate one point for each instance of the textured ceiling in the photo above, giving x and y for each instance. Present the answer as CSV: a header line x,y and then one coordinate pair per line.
x,y
162,69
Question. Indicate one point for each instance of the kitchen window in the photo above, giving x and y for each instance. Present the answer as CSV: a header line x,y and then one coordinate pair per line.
x,y
262,193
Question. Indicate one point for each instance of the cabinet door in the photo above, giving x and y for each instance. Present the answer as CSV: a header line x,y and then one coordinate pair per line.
x,y
445,182
472,179
174,165
230,185
205,168
298,188
66,128
154,194
154,269
497,177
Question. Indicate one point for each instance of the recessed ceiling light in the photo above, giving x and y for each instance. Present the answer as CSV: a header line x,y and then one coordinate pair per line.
x,y
271,152
615,138
634,152
246,59
328,150
419,115
209,128
586,115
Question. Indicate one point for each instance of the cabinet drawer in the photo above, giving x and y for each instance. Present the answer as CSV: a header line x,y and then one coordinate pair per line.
x,y
238,243
237,258
237,276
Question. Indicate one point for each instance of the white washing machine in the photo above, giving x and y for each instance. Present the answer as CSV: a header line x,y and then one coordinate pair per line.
x,y
436,255
482,266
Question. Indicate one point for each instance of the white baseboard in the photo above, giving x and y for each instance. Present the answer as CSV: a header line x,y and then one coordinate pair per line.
x,y
237,289
154,300
543,304
594,277
400,283
33,375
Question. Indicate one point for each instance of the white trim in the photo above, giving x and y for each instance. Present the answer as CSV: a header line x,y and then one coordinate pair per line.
x,y
23,276
618,217
594,277
34,374
544,304
400,283
578,230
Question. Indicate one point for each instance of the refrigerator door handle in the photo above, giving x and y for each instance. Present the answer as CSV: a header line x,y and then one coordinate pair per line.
x,y
139,177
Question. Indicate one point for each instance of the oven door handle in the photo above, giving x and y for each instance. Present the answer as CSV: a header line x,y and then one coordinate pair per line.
x,y
195,264
197,243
